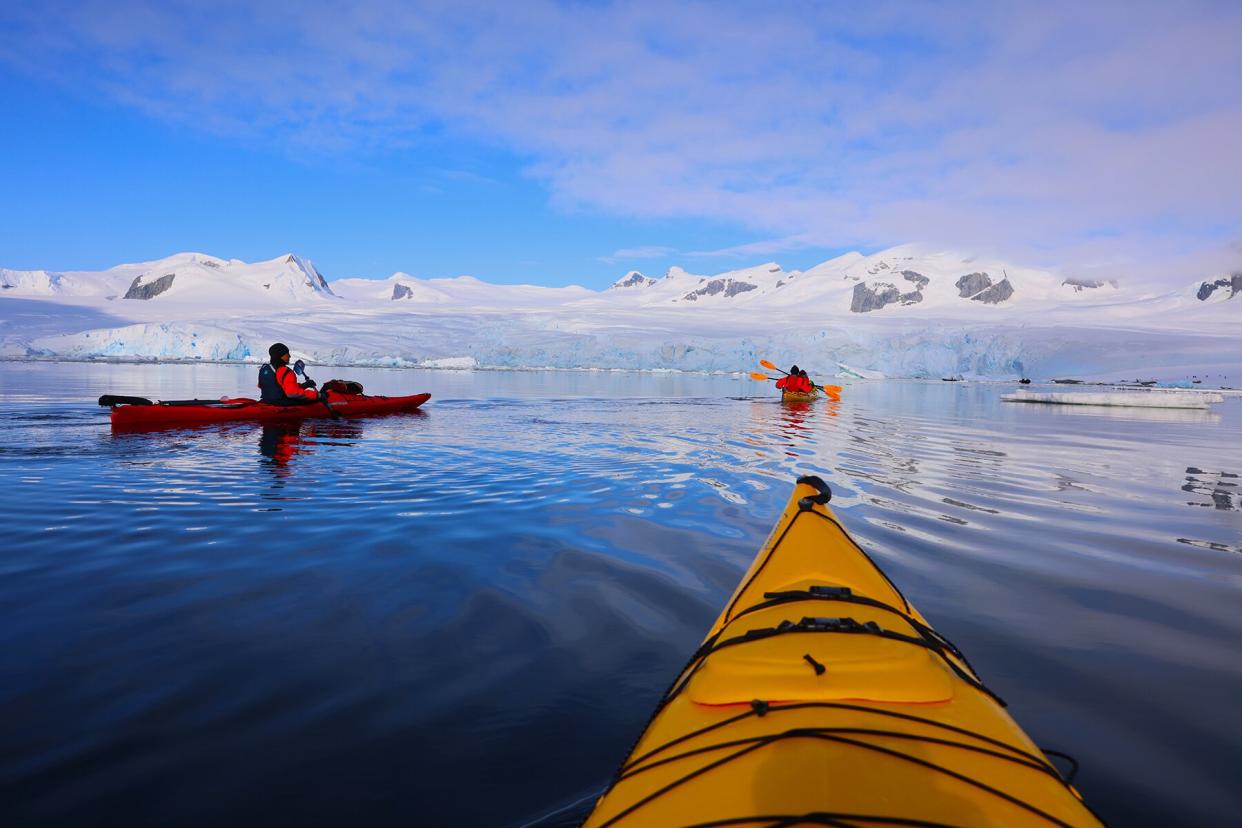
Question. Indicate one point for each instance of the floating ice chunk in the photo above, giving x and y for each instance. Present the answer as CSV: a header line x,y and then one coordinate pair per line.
x,y
848,372
1133,399
459,362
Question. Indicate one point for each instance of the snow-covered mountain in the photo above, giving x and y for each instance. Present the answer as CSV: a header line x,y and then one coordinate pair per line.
x,y
186,278
886,282
464,292
907,311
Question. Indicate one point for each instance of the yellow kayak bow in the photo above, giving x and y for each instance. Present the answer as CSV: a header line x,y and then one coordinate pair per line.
x,y
822,697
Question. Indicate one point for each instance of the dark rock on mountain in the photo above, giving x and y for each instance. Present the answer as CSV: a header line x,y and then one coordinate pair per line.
x,y
1234,283
994,295
978,287
972,283
920,281
1079,285
137,290
867,298
729,287
633,279
314,279
402,292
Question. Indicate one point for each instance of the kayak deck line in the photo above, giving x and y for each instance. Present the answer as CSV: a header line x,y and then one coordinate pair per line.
x,y
869,718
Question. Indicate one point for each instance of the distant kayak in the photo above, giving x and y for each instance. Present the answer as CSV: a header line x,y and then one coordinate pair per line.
x,y
822,697
136,413
799,396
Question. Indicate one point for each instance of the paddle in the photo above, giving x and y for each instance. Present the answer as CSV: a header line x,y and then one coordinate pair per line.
x,y
299,368
113,400
769,365
834,390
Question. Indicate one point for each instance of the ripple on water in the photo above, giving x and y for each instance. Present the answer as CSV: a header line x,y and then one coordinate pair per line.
x,y
378,619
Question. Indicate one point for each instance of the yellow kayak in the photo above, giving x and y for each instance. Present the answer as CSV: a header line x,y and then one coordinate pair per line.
x,y
799,396
821,697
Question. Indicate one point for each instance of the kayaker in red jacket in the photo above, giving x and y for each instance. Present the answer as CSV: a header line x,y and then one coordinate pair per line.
x,y
278,384
796,382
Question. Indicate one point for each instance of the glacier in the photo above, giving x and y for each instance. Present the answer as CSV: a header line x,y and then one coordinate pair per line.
x,y
1041,325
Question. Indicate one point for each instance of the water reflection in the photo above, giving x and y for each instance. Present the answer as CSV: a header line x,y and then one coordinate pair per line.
x,y
436,593
1215,546
280,444
1221,487
1133,414
798,423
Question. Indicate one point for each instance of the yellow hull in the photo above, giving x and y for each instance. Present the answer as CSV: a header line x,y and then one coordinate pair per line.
x,y
798,396
821,697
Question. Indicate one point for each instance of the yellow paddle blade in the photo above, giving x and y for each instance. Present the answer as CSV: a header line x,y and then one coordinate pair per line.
x,y
831,389
768,365
755,375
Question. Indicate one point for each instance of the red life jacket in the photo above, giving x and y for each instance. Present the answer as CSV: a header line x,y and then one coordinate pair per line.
x,y
286,383
796,385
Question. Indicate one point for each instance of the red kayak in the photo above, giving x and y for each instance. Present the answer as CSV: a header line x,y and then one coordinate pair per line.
x,y
140,413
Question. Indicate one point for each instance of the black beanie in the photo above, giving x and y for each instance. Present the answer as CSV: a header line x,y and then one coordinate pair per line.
x,y
275,352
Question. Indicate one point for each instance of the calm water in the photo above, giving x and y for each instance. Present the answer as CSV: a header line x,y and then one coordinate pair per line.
x,y
465,616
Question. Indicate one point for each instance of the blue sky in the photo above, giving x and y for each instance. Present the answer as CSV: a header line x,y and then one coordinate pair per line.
x,y
557,142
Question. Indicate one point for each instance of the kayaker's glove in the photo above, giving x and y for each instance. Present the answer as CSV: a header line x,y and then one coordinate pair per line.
x,y
310,383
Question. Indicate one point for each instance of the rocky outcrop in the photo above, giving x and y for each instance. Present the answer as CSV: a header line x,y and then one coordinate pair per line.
x,y
314,279
729,287
633,279
994,295
310,275
920,281
973,283
149,290
1234,283
402,292
873,297
978,287
734,288
1079,285
867,298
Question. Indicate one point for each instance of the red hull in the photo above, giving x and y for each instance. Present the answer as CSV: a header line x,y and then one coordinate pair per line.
x,y
165,416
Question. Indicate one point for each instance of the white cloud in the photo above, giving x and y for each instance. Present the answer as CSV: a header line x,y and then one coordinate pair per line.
x,y
1066,132
647,252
